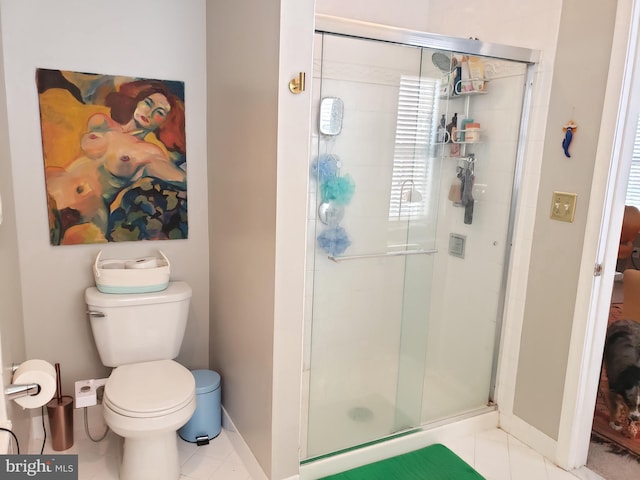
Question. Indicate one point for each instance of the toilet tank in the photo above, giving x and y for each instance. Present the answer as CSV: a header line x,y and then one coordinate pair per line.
x,y
138,327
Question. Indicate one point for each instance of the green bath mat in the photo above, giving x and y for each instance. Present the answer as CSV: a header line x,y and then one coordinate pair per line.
x,y
435,462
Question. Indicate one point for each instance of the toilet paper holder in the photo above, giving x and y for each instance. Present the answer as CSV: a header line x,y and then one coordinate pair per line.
x,y
20,390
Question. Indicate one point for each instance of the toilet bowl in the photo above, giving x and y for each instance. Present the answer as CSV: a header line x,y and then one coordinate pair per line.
x,y
145,403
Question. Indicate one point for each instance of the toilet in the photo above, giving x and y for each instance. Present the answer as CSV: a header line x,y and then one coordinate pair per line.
x,y
148,395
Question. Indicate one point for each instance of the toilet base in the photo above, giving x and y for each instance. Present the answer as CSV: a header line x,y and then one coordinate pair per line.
x,y
150,458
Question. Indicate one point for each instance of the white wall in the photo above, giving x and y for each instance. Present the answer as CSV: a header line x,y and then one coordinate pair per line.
x,y
11,328
242,105
410,14
558,247
294,122
154,39
258,140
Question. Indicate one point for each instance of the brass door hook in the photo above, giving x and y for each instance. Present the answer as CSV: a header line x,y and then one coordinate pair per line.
x,y
296,85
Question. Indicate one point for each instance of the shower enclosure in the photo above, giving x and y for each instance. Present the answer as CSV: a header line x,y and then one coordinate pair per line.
x,y
414,170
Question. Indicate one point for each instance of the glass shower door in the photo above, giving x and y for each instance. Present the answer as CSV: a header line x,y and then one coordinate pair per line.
x,y
473,237
373,212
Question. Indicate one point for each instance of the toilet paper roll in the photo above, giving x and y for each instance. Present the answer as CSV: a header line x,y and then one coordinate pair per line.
x,y
146,262
40,372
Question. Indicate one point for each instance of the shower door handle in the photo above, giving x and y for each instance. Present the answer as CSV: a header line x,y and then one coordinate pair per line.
x,y
402,253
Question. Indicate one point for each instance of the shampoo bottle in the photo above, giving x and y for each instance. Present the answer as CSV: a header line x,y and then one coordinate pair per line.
x,y
452,129
476,70
463,129
442,130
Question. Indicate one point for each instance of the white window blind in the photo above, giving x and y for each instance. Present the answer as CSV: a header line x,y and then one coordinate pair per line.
x,y
415,132
633,186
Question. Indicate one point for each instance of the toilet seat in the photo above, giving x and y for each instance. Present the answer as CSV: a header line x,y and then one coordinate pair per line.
x,y
149,389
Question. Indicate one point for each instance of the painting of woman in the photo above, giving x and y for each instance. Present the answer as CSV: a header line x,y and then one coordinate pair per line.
x,y
115,163
146,106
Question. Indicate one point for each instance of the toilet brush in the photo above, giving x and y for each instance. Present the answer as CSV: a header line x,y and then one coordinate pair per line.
x,y
60,411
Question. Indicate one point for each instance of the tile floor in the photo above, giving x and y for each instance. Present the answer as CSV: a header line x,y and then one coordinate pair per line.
x,y
494,454
499,456
216,461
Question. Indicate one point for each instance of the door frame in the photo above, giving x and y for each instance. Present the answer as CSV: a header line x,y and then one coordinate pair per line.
x,y
606,206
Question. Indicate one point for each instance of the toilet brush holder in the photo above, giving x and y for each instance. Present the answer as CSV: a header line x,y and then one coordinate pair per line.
x,y
60,413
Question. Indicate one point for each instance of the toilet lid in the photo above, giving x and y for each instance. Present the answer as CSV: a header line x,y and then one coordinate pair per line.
x,y
149,389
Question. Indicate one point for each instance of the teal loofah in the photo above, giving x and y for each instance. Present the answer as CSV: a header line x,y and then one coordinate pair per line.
x,y
338,189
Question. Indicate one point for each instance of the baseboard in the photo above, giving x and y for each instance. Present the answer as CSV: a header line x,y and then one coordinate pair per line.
x,y
530,436
585,474
242,449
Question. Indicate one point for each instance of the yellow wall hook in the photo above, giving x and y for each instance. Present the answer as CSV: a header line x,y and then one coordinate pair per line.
x,y
296,85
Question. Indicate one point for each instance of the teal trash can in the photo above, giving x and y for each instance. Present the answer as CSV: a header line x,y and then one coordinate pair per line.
x,y
206,422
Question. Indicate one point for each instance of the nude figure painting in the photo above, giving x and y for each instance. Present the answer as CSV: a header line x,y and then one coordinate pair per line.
x,y
115,157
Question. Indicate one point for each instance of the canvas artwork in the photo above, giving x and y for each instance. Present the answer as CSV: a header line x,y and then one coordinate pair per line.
x,y
114,156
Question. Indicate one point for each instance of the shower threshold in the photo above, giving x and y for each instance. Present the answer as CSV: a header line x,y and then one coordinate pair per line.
x,y
443,430
424,428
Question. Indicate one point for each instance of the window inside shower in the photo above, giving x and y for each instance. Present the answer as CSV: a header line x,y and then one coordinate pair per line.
x,y
415,134
400,331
